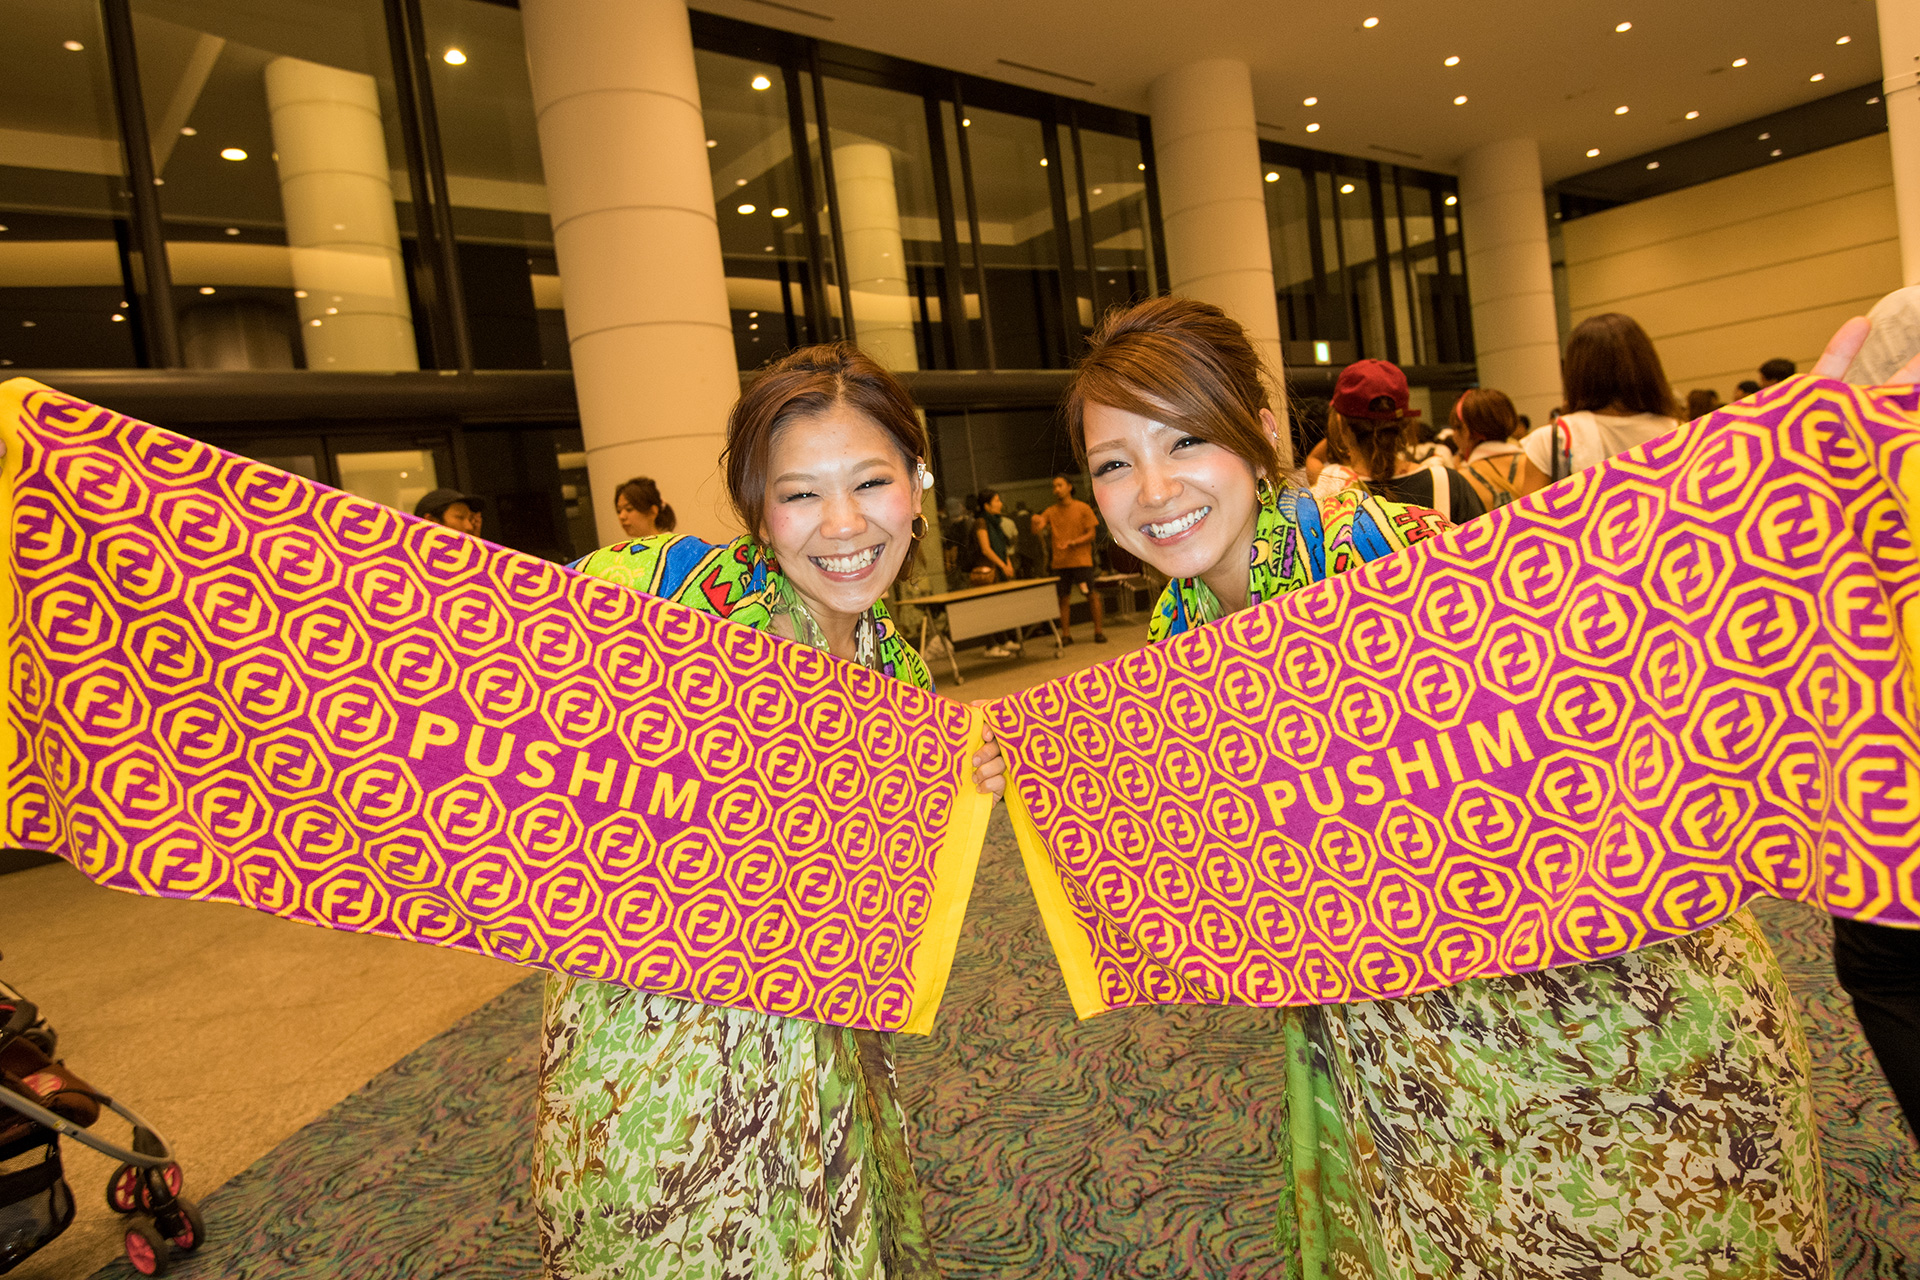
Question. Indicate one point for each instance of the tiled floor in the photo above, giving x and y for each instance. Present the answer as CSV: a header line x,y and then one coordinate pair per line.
x,y
229,1030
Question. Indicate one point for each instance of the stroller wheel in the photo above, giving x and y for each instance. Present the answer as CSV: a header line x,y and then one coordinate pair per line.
x,y
170,1177
123,1189
188,1227
146,1248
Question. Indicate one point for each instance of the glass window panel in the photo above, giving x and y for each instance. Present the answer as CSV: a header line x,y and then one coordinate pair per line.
x,y
1300,287
483,102
1353,203
974,347
276,138
64,301
1079,245
1018,242
1116,182
757,200
397,478
889,223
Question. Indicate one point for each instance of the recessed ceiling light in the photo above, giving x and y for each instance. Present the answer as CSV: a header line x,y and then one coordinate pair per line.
x,y
233,231
1460,101
1774,152
753,315
712,143
1454,61
1043,162
187,131
1817,77
1873,102
1142,167
454,58
1453,199
761,82
72,46
966,124
115,316
1097,190
1765,136
1371,22
753,326
1653,164
778,211
299,293
1844,40
1693,115
1272,176
769,248
1313,128
739,182
1623,26
206,288
746,208
1592,152
1346,188
1739,62
232,153
1309,102
1619,111
314,323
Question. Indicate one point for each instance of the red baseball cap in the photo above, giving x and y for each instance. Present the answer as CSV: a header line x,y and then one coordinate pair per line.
x,y
1363,382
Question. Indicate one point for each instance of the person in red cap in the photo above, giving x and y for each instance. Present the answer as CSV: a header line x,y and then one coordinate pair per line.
x,y
1368,432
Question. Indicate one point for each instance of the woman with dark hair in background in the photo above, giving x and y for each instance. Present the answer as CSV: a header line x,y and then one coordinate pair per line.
x,y
686,1140
1700,403
987,542
1616,397
1646,1115
1484,430
642,512
1369,430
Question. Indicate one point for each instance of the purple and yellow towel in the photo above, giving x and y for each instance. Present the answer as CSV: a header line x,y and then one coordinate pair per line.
x,y
229,683
1604,716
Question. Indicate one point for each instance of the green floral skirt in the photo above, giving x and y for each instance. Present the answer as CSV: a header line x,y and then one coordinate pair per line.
x,y
1645,1116
689,1141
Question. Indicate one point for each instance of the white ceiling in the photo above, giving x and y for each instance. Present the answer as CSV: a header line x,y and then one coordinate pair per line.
x,y
1554,69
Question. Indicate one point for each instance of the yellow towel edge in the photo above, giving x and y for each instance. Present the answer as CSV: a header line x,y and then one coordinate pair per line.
x,y
954,868
1064,930
13,405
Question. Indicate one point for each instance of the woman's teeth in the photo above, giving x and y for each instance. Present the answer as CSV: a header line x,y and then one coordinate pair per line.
x,y
847,564
1172,527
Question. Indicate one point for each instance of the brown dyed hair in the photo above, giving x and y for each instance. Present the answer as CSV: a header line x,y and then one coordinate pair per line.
x,y
1375,443
1183,363
1610,360
642,495
806,384
1486,414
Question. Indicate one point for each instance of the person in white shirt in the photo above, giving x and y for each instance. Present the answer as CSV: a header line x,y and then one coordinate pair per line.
x,y
1616,393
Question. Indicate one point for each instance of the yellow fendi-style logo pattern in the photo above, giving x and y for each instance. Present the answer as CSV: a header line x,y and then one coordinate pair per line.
x,y
229,683
1607,715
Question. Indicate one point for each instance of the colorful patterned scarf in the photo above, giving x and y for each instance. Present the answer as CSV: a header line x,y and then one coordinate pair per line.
x,y
229,683
1603,716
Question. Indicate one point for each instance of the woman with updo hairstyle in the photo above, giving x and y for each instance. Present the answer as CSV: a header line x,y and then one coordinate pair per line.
x,y
1486,430
1371,427
641,510
1631,1116
698,1141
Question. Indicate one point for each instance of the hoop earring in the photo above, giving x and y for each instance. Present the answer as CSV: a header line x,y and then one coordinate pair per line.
x,y
919,528
1263,490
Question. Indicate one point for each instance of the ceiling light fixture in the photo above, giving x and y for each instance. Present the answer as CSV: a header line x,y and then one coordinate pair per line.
x,y
232,153
1653,164
1313,128
1309,102
1097,190
1371,22
187,131
1460,101
1592,152
778,211
739,182
1043,162
1454,61
1765,136
1739,62
1693,115
745,208
1844,40
72,46
454,58
1453,200
115,316
1346,188
1774,152
1619,111
712,142
1623,26
1817,77
1272,176
761,82
206,288
233,231
1142,167
966,123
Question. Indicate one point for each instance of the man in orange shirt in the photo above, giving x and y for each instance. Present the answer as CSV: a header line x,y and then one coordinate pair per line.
x,y
1070,526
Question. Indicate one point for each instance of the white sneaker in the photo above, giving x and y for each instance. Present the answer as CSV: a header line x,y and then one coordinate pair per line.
x,y
999,651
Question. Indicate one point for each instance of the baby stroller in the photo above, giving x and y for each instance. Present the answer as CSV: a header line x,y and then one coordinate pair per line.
x,y
42,1101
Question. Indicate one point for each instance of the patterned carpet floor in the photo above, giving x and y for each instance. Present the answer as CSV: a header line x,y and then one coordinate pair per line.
x,y
1138,1143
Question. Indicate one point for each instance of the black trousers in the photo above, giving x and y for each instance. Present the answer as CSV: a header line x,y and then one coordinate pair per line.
x,y
1880,968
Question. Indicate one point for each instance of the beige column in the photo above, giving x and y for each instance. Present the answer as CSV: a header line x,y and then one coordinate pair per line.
x,y
1503,221
876,254
336,193
1900,63
1206,155
624,147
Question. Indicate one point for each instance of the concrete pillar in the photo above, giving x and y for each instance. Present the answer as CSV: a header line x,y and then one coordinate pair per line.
x,y
1206,154
625,152
876,255
336,192
1900,63
1503,220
